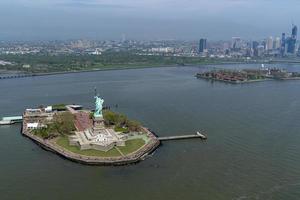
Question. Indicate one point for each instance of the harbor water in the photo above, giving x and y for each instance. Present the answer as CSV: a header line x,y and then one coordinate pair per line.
x,y
252,151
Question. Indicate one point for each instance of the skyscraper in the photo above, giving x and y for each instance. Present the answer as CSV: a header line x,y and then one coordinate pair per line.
x,y
291,41
255,44
260,50
269,45
236,43
202,45
294,32
283,43
276,43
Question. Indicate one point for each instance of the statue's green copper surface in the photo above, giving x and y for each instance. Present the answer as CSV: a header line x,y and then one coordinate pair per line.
x,y
98,106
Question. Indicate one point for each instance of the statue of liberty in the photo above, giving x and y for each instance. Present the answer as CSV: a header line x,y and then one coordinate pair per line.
x,y
98,105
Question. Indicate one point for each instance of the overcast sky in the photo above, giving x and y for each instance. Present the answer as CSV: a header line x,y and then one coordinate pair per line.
x,y
146,19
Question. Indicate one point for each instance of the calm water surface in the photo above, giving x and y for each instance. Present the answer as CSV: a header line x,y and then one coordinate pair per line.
x,y
252,151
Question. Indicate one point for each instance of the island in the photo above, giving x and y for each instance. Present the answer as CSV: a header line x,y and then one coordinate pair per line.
x,y
248,75
99,137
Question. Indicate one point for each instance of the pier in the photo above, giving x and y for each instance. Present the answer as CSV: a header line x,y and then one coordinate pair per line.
x,y
11,120
183,137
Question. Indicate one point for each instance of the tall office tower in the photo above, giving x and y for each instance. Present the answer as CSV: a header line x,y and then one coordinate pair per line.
x,y
292,41
255,44
260,50
283,43
276,43
294,32
264,44
269,45
236,43
202,45
249,52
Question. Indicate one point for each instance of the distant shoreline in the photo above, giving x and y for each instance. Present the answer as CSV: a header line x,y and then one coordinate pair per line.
x,y
22,74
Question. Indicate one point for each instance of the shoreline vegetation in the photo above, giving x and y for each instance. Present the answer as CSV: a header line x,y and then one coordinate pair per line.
x,y
31,64
120,122
39,65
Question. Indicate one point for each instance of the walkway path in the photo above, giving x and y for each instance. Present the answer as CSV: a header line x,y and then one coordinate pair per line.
x,y
119,151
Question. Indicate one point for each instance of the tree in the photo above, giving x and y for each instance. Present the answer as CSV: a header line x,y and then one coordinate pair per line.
x,y
64,123
120,121
109,117
134,125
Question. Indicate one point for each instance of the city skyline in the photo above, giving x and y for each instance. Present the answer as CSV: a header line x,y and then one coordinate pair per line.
x,y
284,46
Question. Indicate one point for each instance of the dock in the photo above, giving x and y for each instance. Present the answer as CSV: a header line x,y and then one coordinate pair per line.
x,y
183,137
11,120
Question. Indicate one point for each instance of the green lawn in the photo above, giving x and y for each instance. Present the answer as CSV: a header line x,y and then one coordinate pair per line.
x,y
132,146
64,142
121,129
59,107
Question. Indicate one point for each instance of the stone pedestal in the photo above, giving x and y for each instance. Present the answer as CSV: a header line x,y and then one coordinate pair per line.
x,y
98,124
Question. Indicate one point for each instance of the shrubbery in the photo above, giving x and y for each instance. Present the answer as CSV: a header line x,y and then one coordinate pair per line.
x,y
120,121
59,107
63,123
44,133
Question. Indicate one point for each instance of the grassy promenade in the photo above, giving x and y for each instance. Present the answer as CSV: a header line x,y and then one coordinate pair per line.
x,y
64,142
131,146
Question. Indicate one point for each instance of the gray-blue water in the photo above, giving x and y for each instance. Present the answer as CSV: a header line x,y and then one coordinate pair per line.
x,y
252,151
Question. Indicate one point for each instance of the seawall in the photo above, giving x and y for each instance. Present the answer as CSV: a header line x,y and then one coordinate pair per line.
x,y
134,157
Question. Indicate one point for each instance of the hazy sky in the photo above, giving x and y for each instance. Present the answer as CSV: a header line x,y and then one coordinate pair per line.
x,y
146,19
